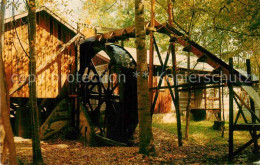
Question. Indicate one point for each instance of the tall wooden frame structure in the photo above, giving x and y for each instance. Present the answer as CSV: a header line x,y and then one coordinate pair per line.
x,y
253,124
220,68
234,77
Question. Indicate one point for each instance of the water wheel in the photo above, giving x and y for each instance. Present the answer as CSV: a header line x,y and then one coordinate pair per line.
x,y
109,94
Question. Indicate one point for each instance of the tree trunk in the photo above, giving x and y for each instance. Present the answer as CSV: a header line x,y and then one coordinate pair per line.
x,y
170,14
37,155
146,145
5,100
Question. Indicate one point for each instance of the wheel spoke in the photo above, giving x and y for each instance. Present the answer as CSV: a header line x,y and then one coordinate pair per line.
x,y
103,86
93,86
93,92
89,68
115,97
105,123
88,102
114,107
97,93
107,69
94,96
103,74
112,90
108,83
99,105
95,72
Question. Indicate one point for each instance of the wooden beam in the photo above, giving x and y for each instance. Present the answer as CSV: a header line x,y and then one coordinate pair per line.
x,y
161,78
247,127
245,146
217,69
246,106
157,51
187,48
202,58
44,66
176,90
231,106
252,104
151,52
240,111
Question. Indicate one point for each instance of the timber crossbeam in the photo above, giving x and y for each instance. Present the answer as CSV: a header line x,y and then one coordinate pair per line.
x,y
246,127
252,127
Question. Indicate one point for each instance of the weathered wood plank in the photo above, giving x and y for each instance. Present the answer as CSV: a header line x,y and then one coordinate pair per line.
x,y
41,68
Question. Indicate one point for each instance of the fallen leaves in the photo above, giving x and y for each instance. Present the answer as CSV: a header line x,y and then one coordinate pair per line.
x,y
60,151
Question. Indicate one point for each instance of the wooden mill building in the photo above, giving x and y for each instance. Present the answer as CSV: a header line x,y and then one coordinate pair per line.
x,y
52,34
56,58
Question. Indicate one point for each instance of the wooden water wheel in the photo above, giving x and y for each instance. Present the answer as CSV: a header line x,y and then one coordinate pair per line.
x,y
109,94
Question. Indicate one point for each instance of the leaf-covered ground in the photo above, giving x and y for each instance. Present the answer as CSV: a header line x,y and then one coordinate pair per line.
x,y
199,150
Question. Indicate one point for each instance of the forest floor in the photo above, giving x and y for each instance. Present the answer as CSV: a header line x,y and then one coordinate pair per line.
x,y
205,146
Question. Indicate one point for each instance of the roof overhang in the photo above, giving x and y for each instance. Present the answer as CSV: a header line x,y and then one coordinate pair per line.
x,y
47,10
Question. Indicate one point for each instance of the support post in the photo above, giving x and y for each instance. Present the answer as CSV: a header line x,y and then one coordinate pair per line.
x,y
77,64
231,96
176,90
205,97
252,104
219,102
122,44
151,50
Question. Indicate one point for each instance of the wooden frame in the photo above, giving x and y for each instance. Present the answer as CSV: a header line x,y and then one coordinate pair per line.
x,y
233,125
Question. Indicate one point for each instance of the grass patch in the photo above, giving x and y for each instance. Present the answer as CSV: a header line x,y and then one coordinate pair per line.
x,y
202,133
211,145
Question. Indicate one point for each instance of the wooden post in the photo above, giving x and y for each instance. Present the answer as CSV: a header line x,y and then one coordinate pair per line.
x,y
205,97
59,73
122,43
176,90
231,96
151,50
70,101
252,104
219,102
77,62
223,109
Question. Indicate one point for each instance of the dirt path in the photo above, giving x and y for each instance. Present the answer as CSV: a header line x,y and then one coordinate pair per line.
x,y
72,152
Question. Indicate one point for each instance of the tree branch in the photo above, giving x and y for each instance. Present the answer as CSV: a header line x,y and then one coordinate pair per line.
x,y
13,24
161,5
111,5
192,16
233,31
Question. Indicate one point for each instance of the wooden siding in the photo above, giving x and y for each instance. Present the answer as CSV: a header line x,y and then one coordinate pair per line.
x,y
49,41
200,98
164,102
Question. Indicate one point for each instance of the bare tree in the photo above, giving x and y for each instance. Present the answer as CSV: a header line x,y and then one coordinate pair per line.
x,y
146,145
5,100
37,155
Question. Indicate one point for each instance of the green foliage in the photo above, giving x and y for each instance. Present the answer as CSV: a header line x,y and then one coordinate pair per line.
x,y
227,28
